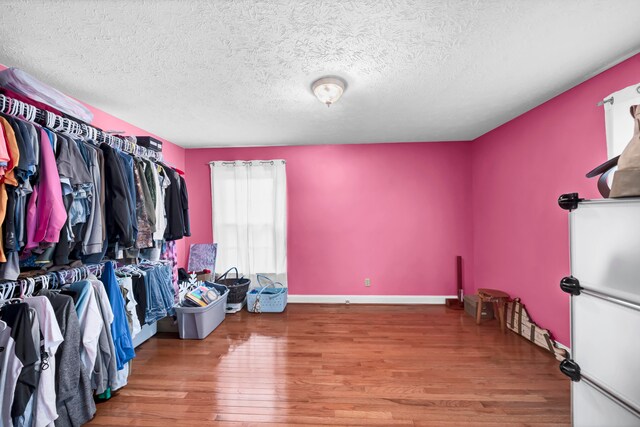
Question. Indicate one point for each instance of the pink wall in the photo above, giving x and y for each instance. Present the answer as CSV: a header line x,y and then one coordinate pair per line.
x,y
396,213
493,201
173,154
519,170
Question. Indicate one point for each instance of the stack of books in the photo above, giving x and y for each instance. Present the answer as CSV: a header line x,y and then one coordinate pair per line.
x,y
201,296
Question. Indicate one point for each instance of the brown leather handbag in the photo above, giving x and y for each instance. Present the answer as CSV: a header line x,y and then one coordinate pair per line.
x,y
626,180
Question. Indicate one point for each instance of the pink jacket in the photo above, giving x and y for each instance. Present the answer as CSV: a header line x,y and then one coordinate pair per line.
x,y
4,151
46,214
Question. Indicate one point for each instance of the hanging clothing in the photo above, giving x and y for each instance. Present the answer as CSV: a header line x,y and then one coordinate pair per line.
x,y
127,165
8,178
24,411
74,399
94,233
17,362
145,226
63,200
77,188
46,214
184,200
170,254
91,323
105,370
119,328
126,288
52,337
147,189
173,207
161,182
118,218
4,152
140,295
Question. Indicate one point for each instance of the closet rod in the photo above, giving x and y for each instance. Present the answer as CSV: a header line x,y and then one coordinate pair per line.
x,y
248,162
28,112
610,100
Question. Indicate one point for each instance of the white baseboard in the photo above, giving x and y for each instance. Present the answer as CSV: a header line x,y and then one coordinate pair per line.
x,y
368,299
559,344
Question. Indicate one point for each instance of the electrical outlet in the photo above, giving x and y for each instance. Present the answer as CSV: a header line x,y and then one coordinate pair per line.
x,y
367,282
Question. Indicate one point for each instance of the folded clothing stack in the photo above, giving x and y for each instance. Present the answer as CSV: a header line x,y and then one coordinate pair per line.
x,y
201,296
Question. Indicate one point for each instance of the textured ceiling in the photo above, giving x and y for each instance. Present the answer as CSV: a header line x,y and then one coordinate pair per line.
x,y
233,73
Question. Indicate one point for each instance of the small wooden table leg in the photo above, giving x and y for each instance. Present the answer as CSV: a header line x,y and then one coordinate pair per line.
x,y
500,305
479,311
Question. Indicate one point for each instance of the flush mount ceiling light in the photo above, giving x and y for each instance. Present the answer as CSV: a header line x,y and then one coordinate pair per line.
x,y
328,89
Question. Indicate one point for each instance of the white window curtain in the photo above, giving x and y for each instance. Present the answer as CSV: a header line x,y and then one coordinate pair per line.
x,y
249,201
618,120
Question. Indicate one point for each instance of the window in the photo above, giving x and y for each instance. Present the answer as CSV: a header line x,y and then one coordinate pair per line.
x,y
250,217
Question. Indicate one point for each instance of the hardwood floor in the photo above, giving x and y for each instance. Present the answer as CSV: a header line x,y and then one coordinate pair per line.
x,y
343,365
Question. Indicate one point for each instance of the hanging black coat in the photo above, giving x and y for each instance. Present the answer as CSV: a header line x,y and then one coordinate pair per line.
x,y
118,219
173,207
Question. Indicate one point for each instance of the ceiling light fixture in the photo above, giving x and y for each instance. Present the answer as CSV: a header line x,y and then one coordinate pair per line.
x,y
328,89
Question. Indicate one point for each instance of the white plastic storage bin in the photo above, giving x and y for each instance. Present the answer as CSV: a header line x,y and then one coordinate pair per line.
x,y
199,322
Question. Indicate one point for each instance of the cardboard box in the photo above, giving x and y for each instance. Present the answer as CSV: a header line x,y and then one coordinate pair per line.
x,y
470,304
149,143
205,277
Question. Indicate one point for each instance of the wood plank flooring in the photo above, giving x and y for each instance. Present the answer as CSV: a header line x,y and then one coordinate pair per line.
x,y
363,365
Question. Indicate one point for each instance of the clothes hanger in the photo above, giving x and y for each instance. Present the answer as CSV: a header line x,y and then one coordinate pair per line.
x,y
45,281
86,272
7,298
53,284
50,119
14,107
57,124
3,325
31,287
7,290
31,113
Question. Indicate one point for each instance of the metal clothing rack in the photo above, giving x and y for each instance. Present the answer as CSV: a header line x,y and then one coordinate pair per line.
x,y
56,123
52,279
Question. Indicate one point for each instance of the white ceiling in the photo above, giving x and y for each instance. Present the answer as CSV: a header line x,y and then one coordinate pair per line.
x,y
233,73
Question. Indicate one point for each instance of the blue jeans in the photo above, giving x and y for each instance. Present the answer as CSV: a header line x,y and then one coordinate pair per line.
x,y
160,293
164,281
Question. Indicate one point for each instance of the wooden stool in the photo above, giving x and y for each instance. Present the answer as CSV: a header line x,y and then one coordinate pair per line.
x,y
498,298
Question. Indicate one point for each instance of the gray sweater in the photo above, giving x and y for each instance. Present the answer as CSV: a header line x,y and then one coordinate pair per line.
x,y
74,397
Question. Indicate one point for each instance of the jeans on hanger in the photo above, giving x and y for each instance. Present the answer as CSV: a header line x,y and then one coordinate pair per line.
x,y
155,304
165,279
160,282
81,206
